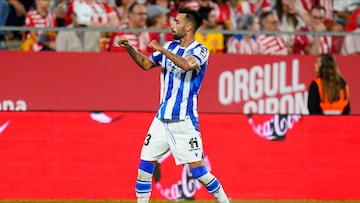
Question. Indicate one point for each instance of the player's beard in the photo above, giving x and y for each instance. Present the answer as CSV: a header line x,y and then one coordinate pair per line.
x,y
178,36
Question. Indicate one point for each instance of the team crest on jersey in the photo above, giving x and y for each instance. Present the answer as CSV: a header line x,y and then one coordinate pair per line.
x,y
170,65
203,53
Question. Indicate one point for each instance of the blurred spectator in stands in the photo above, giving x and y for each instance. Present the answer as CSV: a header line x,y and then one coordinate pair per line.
x,y
103,15
232,10
29,5
343,10
41,18
59,7
44,43
137,19
351,24
196,4
213,41
16,16
122,7
209,3
262,6
229,14
244,44
308,4
351,45
328,92
271,44
79,41
314,44
172,5
158,19
246,7
4,12
337,41
289,20
329,7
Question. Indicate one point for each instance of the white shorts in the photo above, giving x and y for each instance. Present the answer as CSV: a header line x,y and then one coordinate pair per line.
x,y
180,137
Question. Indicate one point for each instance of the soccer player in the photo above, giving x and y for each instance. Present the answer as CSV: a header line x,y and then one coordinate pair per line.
x,y
175,126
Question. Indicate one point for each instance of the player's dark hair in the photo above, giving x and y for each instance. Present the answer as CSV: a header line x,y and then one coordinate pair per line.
x,y
193,16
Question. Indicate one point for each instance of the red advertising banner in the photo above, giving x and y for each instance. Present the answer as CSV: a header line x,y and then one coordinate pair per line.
x,y
62,155
112,82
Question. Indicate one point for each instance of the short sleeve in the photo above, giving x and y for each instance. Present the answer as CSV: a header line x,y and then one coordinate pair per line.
x,y
201,53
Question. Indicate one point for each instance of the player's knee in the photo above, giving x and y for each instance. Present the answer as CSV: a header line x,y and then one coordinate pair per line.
x,y
206,178
199,171
147,166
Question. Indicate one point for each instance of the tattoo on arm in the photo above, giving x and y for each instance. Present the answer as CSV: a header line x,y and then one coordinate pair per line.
x,y
139,58
178,60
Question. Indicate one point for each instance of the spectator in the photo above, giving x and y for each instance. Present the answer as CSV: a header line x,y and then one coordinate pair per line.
x,y
41,18
137,20
246,7
197,4
16,16
262,6
271,44
103,15
351,25
328,92
228,14
59,7
158,19
307,44
289,21
336,41
172,5
343,10
213,41
327,4
244,44
351,45
211,4
82,41
122,7
44,43
4,12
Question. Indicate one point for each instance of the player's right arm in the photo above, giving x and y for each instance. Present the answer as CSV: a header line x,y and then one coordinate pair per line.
x,y
140,59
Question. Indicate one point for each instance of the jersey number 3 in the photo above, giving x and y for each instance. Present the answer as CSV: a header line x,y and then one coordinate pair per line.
x,y
147,139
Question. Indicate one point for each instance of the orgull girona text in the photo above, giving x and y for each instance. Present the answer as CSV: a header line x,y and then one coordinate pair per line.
x,y
265,89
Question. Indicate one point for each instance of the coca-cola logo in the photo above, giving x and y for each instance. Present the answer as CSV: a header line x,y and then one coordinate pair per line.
x,y
274,128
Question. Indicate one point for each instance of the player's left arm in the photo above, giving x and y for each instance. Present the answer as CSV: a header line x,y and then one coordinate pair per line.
x,y
187,63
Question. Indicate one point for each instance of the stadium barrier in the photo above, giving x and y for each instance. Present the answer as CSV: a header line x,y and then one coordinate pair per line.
x,y
71,156
112,82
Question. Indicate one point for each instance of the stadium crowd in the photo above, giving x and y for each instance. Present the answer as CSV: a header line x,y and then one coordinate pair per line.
x,y
251,15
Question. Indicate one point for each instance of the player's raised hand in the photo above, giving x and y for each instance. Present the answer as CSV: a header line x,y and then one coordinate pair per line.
x,y
154,45
123,41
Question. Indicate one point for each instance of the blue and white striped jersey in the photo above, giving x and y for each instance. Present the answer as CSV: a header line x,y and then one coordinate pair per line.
x,y
179,89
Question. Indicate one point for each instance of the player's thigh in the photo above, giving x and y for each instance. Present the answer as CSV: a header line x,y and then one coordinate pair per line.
x,y
185,142
155,144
